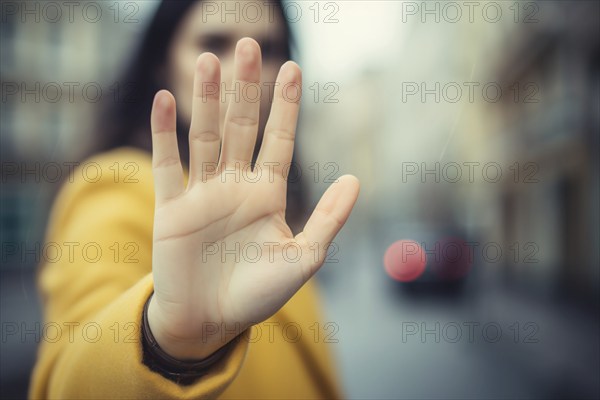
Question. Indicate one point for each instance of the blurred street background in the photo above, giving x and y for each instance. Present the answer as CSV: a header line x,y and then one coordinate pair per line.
x,y
469,123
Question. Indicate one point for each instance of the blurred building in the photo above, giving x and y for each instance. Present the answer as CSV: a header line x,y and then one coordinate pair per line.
x,y
551,136
58,62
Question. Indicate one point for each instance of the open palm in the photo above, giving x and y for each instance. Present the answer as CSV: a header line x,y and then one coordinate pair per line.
x,y
223,254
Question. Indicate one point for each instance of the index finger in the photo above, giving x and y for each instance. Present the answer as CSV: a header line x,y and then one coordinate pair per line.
x,y
280,131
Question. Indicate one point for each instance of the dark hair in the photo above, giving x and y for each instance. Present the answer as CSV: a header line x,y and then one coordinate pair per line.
x,y
125,120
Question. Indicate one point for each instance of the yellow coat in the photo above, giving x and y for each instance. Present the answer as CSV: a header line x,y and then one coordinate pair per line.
x,y
96,278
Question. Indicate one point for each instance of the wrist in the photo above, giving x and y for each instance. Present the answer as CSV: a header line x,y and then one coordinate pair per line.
x,y
180,370
191,347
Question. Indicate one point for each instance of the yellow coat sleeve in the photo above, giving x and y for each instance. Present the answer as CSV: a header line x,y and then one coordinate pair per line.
x,y
96,278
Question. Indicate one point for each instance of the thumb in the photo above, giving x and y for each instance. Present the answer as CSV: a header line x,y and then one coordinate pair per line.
x,y
330,215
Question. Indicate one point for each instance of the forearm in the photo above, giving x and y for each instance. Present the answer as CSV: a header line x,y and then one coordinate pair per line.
x,y
104,359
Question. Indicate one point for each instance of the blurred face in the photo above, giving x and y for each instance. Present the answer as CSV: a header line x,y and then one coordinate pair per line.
x,y
201,31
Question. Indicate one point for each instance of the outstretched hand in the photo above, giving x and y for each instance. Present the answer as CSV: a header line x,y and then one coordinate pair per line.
x,y
223,253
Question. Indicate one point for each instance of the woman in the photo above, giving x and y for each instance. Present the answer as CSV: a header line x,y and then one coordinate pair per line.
x,y
196,286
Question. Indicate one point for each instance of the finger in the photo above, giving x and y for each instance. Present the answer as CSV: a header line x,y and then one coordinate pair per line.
x,y
166,164
278,142
328,217
205,137
241,120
